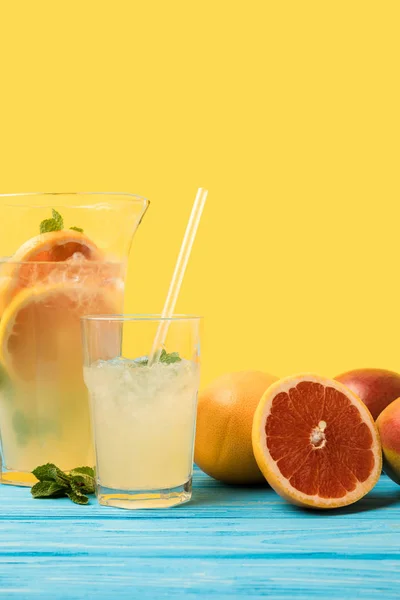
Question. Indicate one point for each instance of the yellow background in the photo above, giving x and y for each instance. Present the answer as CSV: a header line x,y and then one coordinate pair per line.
x,y
288,112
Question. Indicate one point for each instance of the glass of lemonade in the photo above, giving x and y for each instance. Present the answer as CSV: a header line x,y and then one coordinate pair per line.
x,y
143,416
65,256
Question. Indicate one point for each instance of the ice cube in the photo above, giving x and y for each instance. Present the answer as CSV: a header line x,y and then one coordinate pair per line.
x,y
76,257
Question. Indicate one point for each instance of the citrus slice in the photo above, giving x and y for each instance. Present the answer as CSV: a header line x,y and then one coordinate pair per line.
x,y
40,337
316,442
56,246
39,256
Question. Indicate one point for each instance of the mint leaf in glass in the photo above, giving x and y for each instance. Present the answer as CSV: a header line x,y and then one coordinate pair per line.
x,y
22,427
56,223
168,359
142,361
6,386
48,225
165,358
57,218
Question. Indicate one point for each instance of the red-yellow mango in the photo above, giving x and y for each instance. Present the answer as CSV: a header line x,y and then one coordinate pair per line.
x,y
376,387
389,430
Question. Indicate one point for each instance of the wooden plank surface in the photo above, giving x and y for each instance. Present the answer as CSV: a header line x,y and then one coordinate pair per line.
x,y
227,543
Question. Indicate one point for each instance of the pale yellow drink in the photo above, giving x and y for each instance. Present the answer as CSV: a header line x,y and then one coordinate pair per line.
x,y
63,257
44,411
144,423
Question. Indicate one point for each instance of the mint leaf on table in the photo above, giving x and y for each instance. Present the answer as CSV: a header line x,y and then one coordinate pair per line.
x,y
54,483
82,483
50,472
79,229
82,479
47,489
83,470
168,359
77,497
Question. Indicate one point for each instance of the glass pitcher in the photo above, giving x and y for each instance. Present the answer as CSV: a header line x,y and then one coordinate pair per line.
x,y
65,256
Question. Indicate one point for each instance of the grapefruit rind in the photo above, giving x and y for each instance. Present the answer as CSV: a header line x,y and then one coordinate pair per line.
x,y
269,467
32,251
45,241
223,446
27,296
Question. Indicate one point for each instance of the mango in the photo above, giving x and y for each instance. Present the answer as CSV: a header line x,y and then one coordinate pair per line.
x,y
389,430
377,388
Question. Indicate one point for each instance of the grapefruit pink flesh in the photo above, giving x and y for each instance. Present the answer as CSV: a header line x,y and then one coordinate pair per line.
x,y
40,329
316,442
41,256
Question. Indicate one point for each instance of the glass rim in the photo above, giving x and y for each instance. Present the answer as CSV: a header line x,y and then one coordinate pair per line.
x,y
124,196
126,318
62,263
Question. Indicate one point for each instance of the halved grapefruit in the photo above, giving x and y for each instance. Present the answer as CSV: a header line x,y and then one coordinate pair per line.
x,y
40,335
55,246
316,442
39,256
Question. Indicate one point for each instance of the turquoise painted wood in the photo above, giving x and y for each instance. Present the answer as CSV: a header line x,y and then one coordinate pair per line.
x,y
227,543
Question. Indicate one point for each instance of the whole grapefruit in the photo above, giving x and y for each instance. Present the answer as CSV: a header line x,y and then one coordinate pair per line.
x,y
223,447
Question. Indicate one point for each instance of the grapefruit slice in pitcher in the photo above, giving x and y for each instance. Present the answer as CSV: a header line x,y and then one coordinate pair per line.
x,y
40,334
55,246
61,252
316,442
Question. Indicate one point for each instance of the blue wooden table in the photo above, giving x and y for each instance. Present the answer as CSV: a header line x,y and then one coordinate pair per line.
x,y
227,543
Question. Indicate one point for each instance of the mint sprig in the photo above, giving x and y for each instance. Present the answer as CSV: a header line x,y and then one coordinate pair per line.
x,y
165,357
168,359
54,483
56,223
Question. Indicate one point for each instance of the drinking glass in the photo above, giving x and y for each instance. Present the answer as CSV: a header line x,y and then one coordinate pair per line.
x,y
143,416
